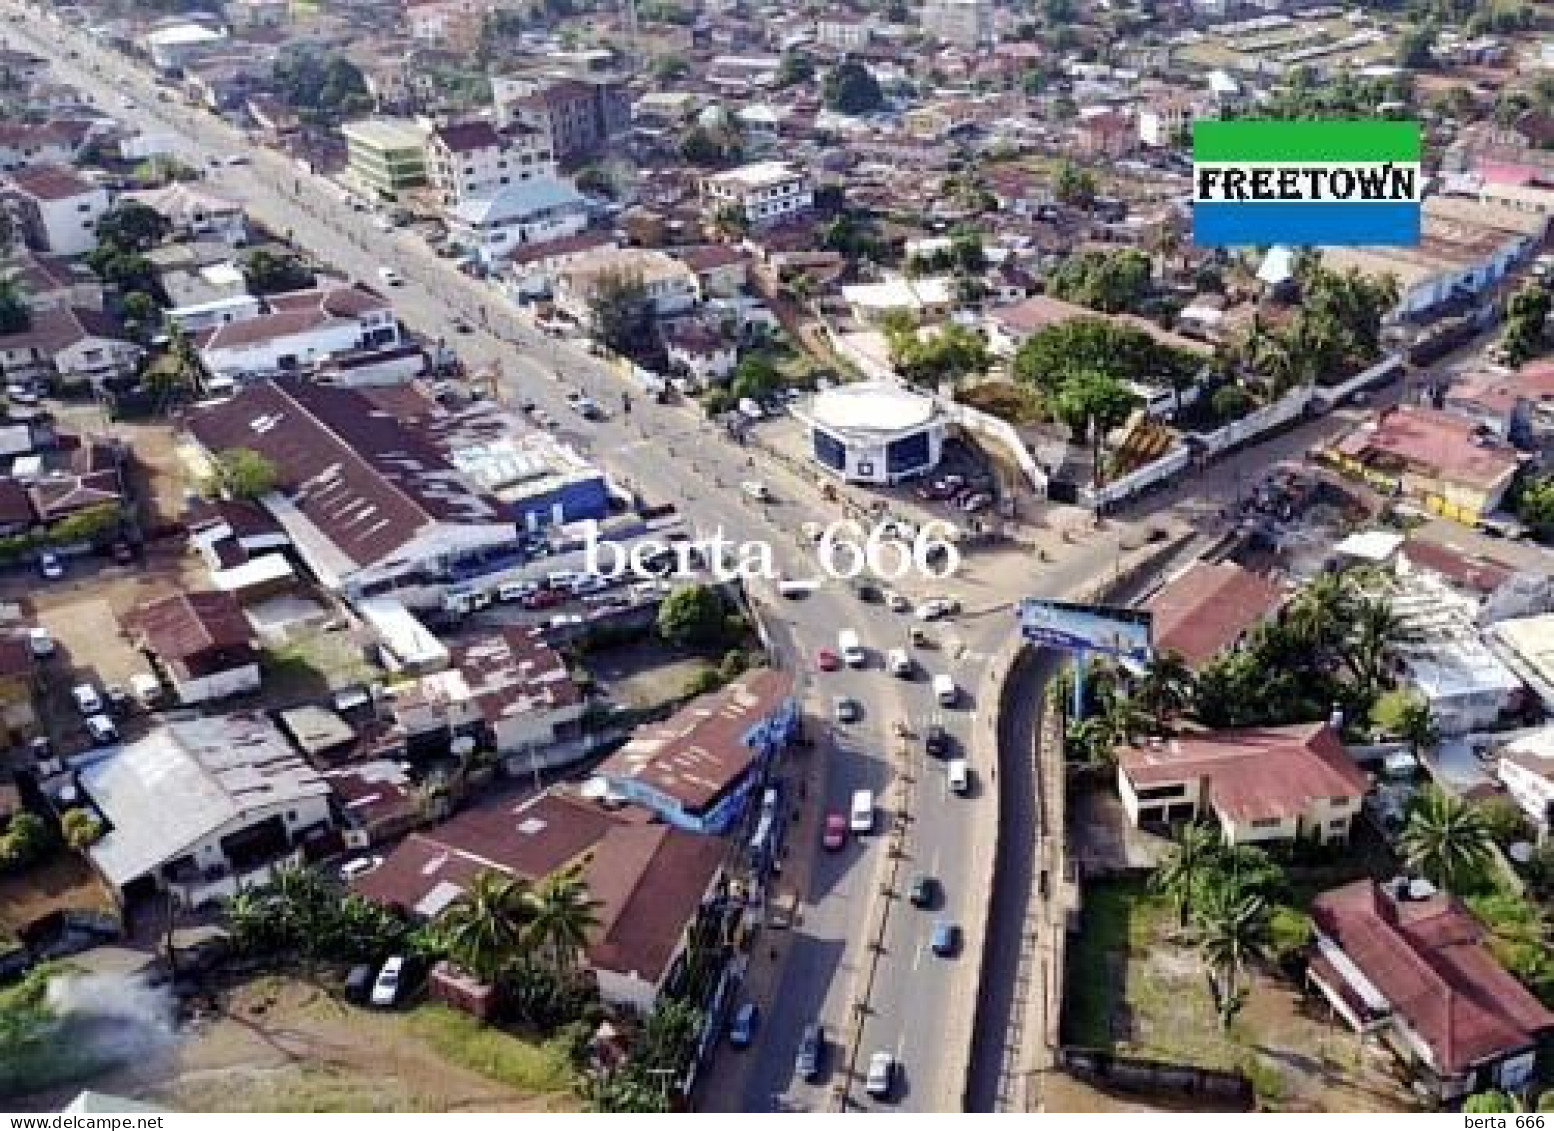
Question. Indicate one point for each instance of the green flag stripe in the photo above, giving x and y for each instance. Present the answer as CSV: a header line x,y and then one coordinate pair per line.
x,y
1358,140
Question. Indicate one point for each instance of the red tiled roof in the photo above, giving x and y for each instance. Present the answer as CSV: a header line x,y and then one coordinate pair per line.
x,y
1481,574
1427,958
466,137
1207,608
51,182
198,633
296,313
528,253
1254,774
1444,445
699,753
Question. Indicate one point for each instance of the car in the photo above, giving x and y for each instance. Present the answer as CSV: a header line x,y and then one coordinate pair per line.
x,y
813,531
945,939
385,991
835,835
920,638
924,891
812,1047
21,395
462,326
868,591
895,602
543,599
933,610
882,1074
119,701
757,491
102,730
86,699
390,276
358,984
977,502
588,583
359,867
845,708
936,741
236,159
40,642
50,566
827,660
741,1030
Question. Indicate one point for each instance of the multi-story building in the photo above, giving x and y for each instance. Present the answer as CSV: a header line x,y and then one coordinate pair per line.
x,y
964,23
843,35
533,211
669,283
58,210
386,156
475,160
765,193
579,115
1164,123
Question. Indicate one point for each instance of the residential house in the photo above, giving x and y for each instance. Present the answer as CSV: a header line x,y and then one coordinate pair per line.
x,y
1417,973
472,160
535,211
53,284
924,300
766,193
967,24
1442,462
69,344
579,116
57,209
1526,645
1107,134
532,268
844,34
700,351
201,805
200,643
696,768
25,144
81,473
194,212
300,329
1258,785
1166,122
445,22
1517,407
386,156
370,502
173,46
1009,327
670,284
1210,607
209,297
1525,766
721,271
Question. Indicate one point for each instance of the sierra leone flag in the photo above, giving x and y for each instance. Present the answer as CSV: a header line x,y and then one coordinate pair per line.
x,y
1307,183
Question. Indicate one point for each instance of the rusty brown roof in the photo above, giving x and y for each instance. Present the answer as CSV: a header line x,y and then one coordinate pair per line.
x,y
1208,607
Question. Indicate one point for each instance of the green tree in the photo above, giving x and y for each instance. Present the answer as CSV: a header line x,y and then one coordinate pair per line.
x,y
141,314
130,226
1180,873
1107,281
693,616
1493,1102
25,842
487,928
81,829
90,525
563,917
1535,504
622,313
1165,689
267,272
242,473
754,377
1527,316
949,355
1092,403
1375,629
15,314
1124,352
1230,402
1446,840
795,67
1232,930
320,85
851,88
1074,186
670,68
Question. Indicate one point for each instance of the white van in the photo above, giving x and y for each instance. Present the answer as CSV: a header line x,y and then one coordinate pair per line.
x,y
899,663
959,775
851,647
796,587
945,691
861,815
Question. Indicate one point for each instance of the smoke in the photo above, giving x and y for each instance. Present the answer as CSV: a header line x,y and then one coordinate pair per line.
x,y
110,1018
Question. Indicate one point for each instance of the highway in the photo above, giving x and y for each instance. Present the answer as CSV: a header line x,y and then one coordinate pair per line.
x,y
917,1002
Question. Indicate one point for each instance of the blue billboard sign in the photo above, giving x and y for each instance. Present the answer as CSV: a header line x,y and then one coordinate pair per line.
x,y
1120,633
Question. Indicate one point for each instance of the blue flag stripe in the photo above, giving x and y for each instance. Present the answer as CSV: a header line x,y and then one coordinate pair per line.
x,y
1312,225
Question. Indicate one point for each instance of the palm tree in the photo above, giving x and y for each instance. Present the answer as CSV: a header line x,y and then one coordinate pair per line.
x,y
1320,616
1416,726
1166,688
1375,629
486,928
563,918
1233,929
302,901
253,920
1446,839
1197,847
1122,717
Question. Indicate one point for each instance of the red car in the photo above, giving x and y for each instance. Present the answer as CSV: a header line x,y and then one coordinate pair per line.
x,y
544,599
835,836
827,660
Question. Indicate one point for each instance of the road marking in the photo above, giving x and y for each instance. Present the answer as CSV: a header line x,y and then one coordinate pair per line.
x,y
917,955
935,866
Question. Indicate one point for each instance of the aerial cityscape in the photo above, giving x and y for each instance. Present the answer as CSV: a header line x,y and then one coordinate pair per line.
x,y
726,556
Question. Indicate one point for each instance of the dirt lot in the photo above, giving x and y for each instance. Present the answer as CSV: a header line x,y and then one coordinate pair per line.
x,y
281,1044
63,883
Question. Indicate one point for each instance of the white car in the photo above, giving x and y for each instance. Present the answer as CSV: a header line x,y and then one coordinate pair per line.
x,y
236,159
102,730
390,276
385,991
895,601
933,610
757,491
87,701
39,642
382,223
882,1073
359,867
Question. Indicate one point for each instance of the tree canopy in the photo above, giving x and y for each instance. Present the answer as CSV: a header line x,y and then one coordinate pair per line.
x,y
693,616
1113,348
622,314
321,84
1109,281
131,226
242,473
851,88
952,353
268,272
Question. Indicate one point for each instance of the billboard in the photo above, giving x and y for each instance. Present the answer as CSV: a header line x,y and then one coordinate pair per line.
x,y
1120,633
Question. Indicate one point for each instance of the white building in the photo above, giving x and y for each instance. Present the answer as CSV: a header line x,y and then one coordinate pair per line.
x,y
201,804
475,159
300,330
58,209
530,212
210,297
1444,658
766,193
1526,767
1526,644
1162,123
844,35
964,23
671,285
874,432
174,46
197,213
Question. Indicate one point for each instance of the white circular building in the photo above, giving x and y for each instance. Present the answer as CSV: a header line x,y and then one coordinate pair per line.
x,y
874,432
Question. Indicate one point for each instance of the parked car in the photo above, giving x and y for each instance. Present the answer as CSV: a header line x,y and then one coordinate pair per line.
x,y
358,984
945,940
812,1047
390,276
50,566
835,835
359,867
102,730
741,1030
385,991
827,660
895,602
87,701
845,708
118,699
757,491
933,610
40,642
924,889
936,741
882,1074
